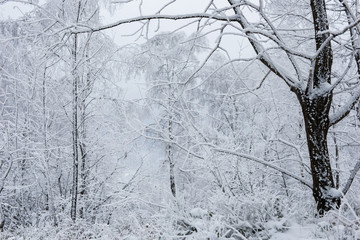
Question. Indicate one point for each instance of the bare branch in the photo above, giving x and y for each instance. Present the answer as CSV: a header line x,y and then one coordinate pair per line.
x,y
345,110
154,17
266,163
259,49
351,178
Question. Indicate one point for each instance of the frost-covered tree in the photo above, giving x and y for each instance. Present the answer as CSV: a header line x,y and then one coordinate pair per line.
x,y
310,50
168,61
48,101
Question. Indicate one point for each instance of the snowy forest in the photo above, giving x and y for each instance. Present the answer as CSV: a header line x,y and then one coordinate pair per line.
x,y
180,119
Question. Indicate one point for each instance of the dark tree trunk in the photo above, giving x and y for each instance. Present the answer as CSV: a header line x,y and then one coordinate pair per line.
x,y
315,104
171,157
316,115
75,133
2,223
75,186
84,171
83,177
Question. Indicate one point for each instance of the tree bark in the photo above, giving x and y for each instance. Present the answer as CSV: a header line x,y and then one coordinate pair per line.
x,y
46,152
75,133
316,115
84,171
170,147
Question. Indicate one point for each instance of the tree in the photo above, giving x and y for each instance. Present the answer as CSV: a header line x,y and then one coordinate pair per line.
x,y
314,69
47,82
30,115
168,60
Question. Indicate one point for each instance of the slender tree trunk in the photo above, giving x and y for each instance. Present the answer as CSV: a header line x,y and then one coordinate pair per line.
x,y
74,196
83,168
86,87
337,165
170,153
46,153
172,171
76,80
83,176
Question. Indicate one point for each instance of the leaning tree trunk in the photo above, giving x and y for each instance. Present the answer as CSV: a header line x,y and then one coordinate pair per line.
x,y
316,116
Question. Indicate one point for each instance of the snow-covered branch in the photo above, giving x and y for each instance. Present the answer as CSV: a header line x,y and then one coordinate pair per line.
x,y
84,28
345,110
265,163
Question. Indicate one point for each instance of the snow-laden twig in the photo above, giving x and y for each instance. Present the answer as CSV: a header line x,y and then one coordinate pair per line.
x,y
351,178
155,17
265,163
344,111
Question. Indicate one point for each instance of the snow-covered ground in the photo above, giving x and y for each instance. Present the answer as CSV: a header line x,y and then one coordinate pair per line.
x,y
317,232
298,232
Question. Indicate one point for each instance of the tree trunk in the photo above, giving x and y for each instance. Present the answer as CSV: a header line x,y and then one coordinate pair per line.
x,y
75,133
75,186
46,152
171,136
83,177
171,156
316,115
315,107
83,136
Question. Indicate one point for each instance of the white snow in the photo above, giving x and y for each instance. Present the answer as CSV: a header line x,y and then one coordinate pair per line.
x,y
298,232
198,213
334,193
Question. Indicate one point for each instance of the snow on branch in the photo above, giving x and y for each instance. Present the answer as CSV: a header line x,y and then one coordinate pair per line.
x,y
351,178
266,163
259,49
344,111
154,17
